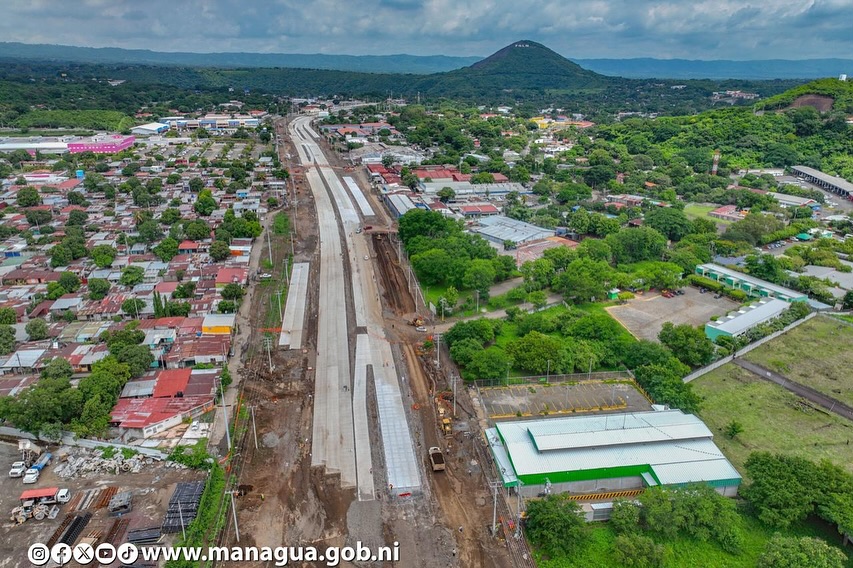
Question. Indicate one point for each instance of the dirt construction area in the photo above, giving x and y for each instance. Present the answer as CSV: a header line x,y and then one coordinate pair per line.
x,y
540,400
645,315
151,490
289,502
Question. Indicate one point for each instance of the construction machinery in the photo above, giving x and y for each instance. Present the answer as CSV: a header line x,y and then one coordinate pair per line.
x,y
436,459
417,321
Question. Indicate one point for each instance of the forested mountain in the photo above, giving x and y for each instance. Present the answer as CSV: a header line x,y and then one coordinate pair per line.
x,y
524,73
637,68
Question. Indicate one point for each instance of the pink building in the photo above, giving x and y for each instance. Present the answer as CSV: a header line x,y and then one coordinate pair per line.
x,y
102,144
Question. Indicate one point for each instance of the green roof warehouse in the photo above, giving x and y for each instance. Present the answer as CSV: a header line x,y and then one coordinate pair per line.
x,y
606,453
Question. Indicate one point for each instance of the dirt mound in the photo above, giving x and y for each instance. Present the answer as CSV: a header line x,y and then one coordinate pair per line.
x,y
822,103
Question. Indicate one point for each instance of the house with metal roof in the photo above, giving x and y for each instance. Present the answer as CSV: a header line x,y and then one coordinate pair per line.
x,y
755,287
747,317
606,453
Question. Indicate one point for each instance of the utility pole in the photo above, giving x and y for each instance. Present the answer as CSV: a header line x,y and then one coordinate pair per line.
x,y
234,510
494,486
225,413
267,342
453,378
438,349
292,248
254,428
269,245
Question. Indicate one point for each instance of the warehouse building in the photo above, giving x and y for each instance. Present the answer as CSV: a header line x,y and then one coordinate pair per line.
x,y
746,318
602,454
755,287
831,183
499,229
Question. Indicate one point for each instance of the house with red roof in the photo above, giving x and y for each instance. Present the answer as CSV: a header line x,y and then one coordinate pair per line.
x,y
171,383
228,275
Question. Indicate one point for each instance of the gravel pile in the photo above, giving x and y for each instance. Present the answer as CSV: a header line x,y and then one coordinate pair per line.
x,y
80,462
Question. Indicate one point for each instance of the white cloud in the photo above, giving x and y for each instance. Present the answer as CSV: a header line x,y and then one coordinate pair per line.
x,y
706,29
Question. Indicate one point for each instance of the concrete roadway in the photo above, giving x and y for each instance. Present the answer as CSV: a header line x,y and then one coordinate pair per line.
x,y
372,349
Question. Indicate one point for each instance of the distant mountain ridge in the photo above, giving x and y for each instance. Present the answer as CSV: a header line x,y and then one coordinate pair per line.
x,y
640,68
649,68
402,63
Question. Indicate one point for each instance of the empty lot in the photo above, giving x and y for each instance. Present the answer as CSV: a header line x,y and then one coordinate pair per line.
x,y
645,315
538,400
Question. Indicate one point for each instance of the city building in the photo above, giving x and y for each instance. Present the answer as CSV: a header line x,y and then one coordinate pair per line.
x,y
606,453
834,184
499,229
747,317
104,144
149,129
753,286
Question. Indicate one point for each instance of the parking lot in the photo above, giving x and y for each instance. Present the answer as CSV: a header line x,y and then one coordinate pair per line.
x,y
645,315
151,490
539,400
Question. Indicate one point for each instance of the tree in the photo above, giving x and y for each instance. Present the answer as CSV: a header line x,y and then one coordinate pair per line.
x,y
584,279
782,489
28,197
488,364
847,302
625,516
219,251
446,194
133,307
197,230
555,525
196,184
733,428
432,266
77,198
205,204
689,344
69,281
660,275
103,255
149,231
7,339
226,307
464,350
77,218
480,275
636,244
38,217
232,291
170,216
537,353
167,249
58,368
131,276
803,552
138,358
37,329
636,550
98,288
8,316
669,221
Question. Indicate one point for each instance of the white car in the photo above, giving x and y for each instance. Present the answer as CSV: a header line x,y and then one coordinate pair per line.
x,y
31,476
63,496
18,469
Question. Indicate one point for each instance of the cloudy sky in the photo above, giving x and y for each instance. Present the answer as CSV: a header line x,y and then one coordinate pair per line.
x,y
703,29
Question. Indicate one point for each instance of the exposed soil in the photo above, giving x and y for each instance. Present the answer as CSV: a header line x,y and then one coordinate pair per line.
x,y
822,103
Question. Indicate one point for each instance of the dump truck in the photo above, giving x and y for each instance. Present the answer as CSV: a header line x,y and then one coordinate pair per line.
x,y
436,459
43,461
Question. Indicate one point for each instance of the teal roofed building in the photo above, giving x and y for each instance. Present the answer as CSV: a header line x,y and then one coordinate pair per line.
x,y
754,287
606,455
746,318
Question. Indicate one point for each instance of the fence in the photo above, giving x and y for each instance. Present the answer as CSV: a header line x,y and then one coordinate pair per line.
x,y
550,379
720,362
69,439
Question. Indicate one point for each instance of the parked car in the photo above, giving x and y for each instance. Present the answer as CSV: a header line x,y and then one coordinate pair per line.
x,y
679,292
31,476
421,328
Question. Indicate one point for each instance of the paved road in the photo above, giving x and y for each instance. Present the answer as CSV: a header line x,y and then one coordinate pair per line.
x,y
808,393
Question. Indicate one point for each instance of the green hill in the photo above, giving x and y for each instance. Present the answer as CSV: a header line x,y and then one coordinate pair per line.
x,y
840,91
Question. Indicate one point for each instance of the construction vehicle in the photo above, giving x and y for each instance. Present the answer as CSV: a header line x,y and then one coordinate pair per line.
x,y
446,423
43,461
40,504
18,469
417,321
436,459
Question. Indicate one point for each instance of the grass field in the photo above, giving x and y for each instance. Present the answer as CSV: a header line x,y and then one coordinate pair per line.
x,y
816,354
686,552
694,210
773,419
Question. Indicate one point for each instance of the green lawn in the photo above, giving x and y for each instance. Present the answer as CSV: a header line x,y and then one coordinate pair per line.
x,y
685,552
773,419
816,354
694,210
